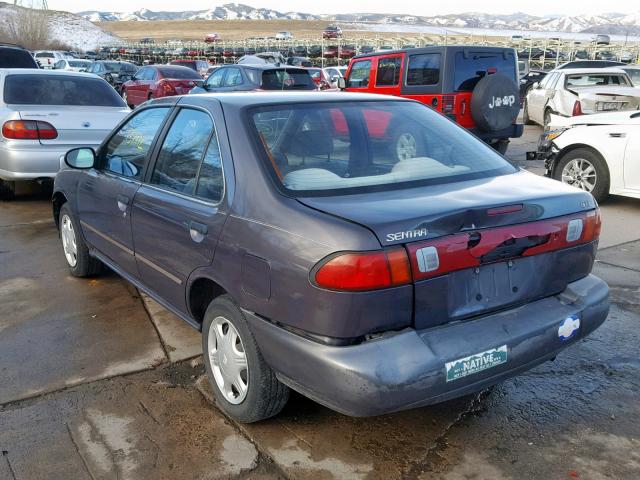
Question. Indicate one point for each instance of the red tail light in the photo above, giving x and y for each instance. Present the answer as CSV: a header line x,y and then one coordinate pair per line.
x,y
28,130
167,88
577,109
448,104
360,271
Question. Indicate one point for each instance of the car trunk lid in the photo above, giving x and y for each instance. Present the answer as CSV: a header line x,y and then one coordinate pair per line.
x,y
497,241
76,125
605,99
183,86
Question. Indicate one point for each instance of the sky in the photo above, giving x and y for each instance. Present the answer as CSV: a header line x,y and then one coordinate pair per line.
x,y
413,7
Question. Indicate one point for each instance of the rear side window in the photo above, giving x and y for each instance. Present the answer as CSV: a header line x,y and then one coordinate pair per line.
x,y
359,75
287,79
179,159
59,90
233,78
470,68
424,69
127,150
596,79
388,73
14,58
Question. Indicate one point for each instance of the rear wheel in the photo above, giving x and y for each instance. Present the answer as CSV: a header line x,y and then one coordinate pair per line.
x,y
7,190
80,263
406,144
585,169
244,386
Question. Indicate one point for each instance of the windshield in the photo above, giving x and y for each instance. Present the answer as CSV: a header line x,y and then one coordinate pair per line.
x,y
596,79
118,67
287,79
334,148
79,63
59,90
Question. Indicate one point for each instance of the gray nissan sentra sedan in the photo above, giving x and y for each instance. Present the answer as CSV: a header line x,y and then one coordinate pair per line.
x,y
317,252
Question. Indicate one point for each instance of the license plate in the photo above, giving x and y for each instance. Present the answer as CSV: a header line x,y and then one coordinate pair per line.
x,y
478,362
609,106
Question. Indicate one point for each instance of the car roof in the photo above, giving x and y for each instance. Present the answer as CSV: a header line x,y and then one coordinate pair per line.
x,y
437,48
252,99
570,71
38,71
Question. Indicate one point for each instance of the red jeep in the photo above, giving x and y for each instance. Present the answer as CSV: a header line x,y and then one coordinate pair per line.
x,y
476,87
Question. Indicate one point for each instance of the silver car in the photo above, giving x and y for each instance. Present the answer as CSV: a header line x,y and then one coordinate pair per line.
x,y
44,113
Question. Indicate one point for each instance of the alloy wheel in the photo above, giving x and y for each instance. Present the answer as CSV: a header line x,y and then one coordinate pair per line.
x,y
580,173
228,360
68,235
406,146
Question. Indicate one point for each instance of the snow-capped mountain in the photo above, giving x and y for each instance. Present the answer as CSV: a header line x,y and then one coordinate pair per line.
x,y
610,22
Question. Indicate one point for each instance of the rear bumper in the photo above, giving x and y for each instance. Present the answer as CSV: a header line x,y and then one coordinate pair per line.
x,y
514,131
407,369
30,162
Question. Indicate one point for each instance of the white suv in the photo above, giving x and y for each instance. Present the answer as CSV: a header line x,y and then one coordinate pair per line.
x,y
48,58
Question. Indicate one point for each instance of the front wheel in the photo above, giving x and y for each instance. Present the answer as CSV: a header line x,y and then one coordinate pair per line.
x,y
80,263
585,169
244,386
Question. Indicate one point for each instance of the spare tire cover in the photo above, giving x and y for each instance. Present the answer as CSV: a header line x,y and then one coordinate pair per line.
x,y
495,102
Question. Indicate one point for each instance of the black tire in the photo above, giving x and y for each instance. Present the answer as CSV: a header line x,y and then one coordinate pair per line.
x,y
525,113
85,265
600,189
266,396
7,190
501,146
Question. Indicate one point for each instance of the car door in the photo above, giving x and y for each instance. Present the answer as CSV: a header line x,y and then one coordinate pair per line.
x,y
105,193
181,203
135,90
359,76
632,158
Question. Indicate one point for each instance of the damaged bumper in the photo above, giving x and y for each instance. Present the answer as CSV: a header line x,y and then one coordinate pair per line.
x,y
414,368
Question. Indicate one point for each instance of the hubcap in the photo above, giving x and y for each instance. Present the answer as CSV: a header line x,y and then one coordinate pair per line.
x,y
228,360
580,173
68,235
406,146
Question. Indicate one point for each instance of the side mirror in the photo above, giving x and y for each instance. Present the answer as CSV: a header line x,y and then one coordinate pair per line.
x,y
80,158
342,83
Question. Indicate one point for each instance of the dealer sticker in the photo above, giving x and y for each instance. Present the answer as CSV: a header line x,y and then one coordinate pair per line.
x,y
476,363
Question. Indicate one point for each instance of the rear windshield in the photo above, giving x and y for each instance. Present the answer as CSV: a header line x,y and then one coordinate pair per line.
x,y
471,66
348,147
596,79
79,63
191,65
59,90
120,67
179,73
14,58
287,79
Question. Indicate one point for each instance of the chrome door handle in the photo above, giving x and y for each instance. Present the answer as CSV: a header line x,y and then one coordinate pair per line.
x,y
123,202
197,231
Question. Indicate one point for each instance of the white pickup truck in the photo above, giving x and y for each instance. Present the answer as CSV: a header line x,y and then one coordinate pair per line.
x,y
574,92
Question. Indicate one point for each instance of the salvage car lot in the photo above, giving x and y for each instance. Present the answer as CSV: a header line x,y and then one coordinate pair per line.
x,y
71,412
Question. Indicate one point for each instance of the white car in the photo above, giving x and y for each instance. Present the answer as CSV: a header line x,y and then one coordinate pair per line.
x,y
60,110
72,65
48,58
598,153
284,36
573,92
634,74
334,74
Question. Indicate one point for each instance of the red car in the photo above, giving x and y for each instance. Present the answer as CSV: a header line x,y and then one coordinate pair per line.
x,y
330,52
347,51
320,78
159,81
332,31
212,38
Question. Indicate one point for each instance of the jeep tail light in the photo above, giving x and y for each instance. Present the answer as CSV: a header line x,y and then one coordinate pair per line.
x,y
28,130
577,109
448,104
361,271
